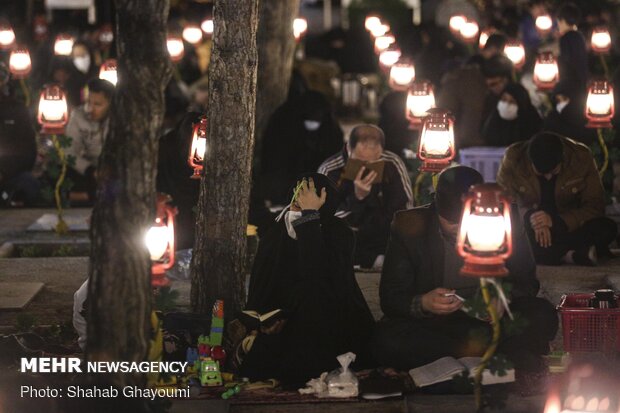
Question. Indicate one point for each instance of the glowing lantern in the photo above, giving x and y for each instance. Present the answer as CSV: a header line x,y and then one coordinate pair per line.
x,y
7,37
436,148
159,240
192,34
389,56
198,147
63,45
106,35
207,26
600,107
600,40
176,50
372,22
515,51
420,98
485,233
300,26
380,30
546,73
402,73
456,22
20,63
469,31
108,71
53,113
544,23
484,36
383,42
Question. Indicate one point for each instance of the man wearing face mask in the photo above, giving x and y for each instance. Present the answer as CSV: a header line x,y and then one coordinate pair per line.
x,y
300,135
87,128
514,119
497,72
557,186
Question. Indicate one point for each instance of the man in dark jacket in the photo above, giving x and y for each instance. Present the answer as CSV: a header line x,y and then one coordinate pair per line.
x,y
421,323
366,206
573,58
556,184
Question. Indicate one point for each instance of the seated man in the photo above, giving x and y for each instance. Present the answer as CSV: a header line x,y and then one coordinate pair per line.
x,y
303,266
421,323
556,184
88,126
369,207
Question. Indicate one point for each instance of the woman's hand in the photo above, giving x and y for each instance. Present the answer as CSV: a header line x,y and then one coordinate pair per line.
x,y
307,199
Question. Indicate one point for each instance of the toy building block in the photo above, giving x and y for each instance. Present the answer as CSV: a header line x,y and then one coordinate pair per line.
x,y
204,349
217,323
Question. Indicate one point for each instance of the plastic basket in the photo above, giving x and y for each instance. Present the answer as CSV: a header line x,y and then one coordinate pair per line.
x,y
588,329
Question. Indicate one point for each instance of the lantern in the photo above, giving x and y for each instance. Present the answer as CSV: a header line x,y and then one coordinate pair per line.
x,y
515,51
63,45
19,63
176,50
389,56
600,107
420,98
300,26
402,73
436,147
108,71
372,22
192,34
7,37
600,40
544,23
106,35
485,235
383,42
39,25
380,30
53,113
456,22
546,73
198,147
484,36
207,26
469,31
159,240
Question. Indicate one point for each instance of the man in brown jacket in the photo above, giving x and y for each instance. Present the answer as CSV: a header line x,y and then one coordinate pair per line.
x,y
556,184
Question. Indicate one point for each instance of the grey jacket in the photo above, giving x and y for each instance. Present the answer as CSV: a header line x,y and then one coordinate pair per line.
x,y
87,139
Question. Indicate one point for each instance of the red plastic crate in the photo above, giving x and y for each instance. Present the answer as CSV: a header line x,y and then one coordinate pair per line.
x,y
588,329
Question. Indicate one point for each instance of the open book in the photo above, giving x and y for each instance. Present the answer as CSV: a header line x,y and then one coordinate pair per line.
x,y
353,166
253,320
446,368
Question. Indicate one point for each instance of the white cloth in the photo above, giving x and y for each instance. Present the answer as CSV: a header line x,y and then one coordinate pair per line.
x,y
79,322
289,217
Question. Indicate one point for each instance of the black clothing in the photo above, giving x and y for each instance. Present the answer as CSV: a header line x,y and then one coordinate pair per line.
x,y
290,149
394,124
418,259
312,279
571,123
497,131
18,148
547,194
573,65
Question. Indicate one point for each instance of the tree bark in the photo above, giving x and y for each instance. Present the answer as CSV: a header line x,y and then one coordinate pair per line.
x,y
276,49
217,266
119,300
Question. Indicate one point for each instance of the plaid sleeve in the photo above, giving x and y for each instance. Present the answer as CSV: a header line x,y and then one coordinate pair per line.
x,y
416,309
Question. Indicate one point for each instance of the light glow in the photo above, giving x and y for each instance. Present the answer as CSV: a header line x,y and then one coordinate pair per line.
x,y
108,71
157,240
63,45
176,50
19,62
192,34
7,37
544,23
300,26
207,26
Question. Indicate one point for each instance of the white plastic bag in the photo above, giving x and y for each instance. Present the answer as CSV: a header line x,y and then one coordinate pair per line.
x,y
342,382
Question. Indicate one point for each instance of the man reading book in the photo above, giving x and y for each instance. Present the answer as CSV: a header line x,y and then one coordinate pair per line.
x,y
373,184
423,318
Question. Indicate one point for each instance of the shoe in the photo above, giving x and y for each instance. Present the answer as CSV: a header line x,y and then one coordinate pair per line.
x,y
586,256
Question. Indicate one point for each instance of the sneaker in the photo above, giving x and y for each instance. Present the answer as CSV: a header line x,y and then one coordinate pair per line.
x,y
586,256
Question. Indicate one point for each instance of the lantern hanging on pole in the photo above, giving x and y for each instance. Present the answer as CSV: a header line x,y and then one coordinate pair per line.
x,y
198,147
485,234
7,37
546,73
600,40
420,98
63,45
544,24
469,31
600,108
39,28
372,22
380,30
159,240
436,147
207,26
389,57
456,22
515,51
176,50
106,35
383,42
53,112
108,71
300,26
402,73
192,34
484,36
20,63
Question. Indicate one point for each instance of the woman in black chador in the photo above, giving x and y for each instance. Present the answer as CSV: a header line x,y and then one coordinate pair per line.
x,y
304,267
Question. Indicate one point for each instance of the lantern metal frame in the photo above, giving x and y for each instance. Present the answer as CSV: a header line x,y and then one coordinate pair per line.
x,y
53,92
418,88
199,131
17,73
516,43
165,214
437,120
595,121
596,49
108,66
546,58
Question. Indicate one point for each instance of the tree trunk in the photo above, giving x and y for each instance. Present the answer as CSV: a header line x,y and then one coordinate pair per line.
x,y
276,48
119,288
219,253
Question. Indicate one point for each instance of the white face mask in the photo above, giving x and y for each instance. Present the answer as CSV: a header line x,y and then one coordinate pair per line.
x,y
82,63
289,217
507,111
312,125
561,105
